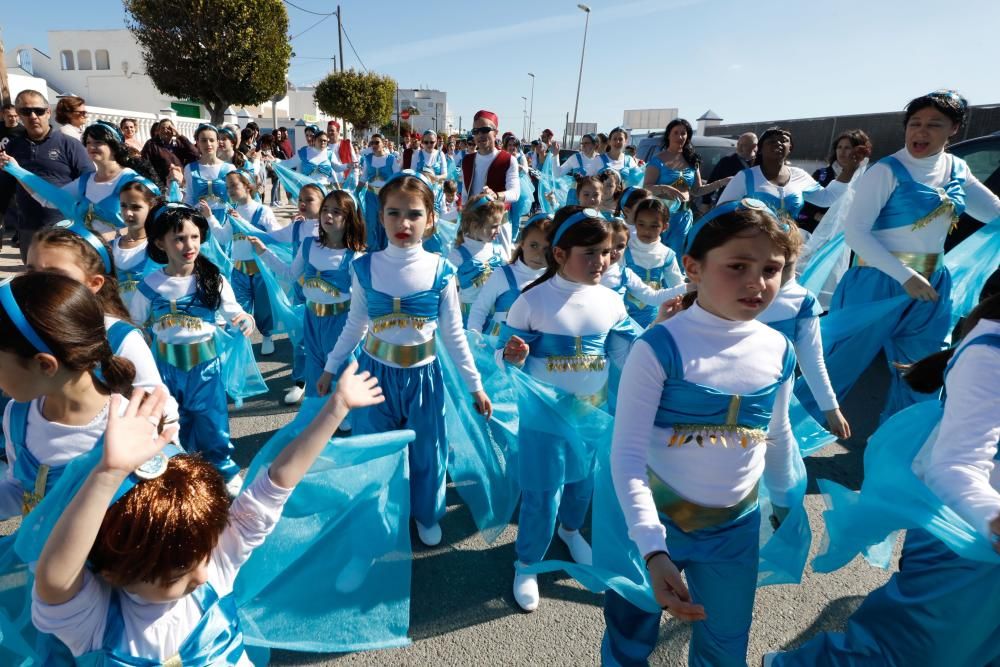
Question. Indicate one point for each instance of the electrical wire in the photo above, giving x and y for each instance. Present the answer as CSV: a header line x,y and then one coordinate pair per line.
x,y
308,11
311,27
351,44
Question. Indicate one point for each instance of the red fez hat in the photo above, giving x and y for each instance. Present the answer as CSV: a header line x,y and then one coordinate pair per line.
x,y
333,123
487,115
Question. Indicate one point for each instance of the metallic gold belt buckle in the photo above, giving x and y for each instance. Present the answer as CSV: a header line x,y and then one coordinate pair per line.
x,y
405,356
690,516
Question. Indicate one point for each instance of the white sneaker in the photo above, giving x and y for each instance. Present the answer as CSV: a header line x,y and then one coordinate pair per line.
x,y
429,535
294,395
235,485
525,590
768,658
578,547
266,346
353,574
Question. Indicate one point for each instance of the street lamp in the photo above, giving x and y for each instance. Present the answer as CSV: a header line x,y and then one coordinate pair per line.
x,y
579,79
531,110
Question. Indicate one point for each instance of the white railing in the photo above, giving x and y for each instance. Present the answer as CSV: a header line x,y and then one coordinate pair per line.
x,y
144,121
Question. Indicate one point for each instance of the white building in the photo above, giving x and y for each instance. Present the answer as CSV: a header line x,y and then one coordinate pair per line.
x,y
428,109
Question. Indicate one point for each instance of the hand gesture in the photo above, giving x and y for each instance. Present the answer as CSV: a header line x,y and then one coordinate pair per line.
x,y
838,424
244,323
6,159
175,173
668,309
131,439
323,384
670,591
920,289
482,403
515,351
258,245
204,209
356,390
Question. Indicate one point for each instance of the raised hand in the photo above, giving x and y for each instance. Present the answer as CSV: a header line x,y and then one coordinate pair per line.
x,y
357,390
132,438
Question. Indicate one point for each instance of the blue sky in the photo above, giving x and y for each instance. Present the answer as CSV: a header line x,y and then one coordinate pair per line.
x,y
746,60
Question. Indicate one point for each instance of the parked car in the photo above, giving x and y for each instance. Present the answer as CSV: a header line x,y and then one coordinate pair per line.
x,y
982,154
710,149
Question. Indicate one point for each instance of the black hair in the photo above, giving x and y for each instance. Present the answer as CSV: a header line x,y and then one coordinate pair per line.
x,y
8,105
687,150
167,218
948,102
587,232
718,231
632,198
768,133
656,206
119,151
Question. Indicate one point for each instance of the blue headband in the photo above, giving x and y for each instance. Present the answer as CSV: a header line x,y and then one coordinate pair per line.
x,y
591,136
96,243
723,209
314,128
585,214
479,201
228,131
17,317
206,126
151,469
536,218
113,129
951,96
153,187
409,172
626,193
173,206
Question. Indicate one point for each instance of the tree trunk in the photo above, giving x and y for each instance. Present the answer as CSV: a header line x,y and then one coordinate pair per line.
x,y
217,111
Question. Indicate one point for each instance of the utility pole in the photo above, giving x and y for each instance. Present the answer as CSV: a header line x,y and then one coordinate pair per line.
x,y
340,39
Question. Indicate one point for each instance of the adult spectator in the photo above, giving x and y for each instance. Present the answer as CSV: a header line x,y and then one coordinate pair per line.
x,y
11,124
840,155
71,114
746,151
130,130
52,155
168,152
283,146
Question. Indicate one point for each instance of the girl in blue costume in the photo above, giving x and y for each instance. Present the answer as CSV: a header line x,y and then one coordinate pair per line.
x,y
57,365
625,282
401,297
783,187
611,191
477,254
205,180
489,311
140,567
698,393
323,264
626,166
181,305
318,162
903,208
376,168
942,606
562,330
589,191
248,284
428,160
132,262
674,173
627,202
648,258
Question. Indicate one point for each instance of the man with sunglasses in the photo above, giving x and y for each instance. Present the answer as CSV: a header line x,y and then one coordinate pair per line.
x,y
54,156
488,170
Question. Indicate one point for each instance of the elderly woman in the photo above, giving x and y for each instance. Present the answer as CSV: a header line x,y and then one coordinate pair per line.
x,y
71,114
168,151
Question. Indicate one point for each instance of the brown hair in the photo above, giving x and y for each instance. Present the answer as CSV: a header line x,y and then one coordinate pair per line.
x,y
410,185
607,175
476,215
656,206
68,318
856,137
92,265
593,180
542,225
163,526
243,176
354,226
138,186
738,222
449,187
587,232
634,196
67,105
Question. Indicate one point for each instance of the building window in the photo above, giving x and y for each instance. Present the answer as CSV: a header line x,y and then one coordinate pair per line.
x,y
66,59
24,60
83,59
101,59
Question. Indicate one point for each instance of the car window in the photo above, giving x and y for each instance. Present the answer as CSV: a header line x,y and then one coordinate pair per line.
x,y
983,158
710,156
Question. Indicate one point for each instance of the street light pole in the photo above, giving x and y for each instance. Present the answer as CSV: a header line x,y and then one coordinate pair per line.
x,y
531,111
579,80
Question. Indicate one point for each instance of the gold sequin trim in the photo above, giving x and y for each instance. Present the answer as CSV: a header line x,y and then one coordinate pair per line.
x,y
946,206
321,285
398,321
30,499
481,279
179,320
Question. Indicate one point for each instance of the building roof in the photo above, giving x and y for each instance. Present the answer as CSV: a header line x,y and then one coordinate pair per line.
x,y
710,115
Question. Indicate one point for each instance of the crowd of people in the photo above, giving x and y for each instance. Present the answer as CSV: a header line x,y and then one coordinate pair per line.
x,y
592,337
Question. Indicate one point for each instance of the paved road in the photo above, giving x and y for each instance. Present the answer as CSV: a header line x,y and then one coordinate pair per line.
x,y
462,610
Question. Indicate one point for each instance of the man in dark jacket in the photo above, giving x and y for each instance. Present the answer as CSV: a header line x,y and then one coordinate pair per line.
x,y
746,150
54,156
169,151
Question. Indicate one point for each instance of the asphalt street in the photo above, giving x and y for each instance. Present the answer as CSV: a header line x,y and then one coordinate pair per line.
x,y
463,612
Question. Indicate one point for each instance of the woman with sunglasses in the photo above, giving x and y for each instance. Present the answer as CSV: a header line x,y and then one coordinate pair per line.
x,y
376,168
71,114
587,162
318,162
427,159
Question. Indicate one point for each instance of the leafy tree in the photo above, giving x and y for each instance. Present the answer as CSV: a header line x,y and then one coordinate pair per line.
x,y
219,52
389,129
362,99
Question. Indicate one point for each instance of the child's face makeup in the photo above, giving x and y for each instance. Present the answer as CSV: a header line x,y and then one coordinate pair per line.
x,y
648,227
589,196
740,278
333,220
584,264
309,203
533,247
134,209
619,241
182,247
58,259
405,218
181,584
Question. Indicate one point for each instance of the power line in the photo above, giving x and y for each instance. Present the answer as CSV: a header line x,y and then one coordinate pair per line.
x,y
353,49
312,26
308,11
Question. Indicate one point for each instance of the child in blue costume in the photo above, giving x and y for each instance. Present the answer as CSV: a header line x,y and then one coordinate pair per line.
x,y
181,305
698,393
132,262
648,258
140,567
625,282
375,169
400,298
942,606
627,202
615,158
675,173
248,284
477,254
318,162
903,208
59,370
205,180
324,266
489,311
562,330
427,159
611,192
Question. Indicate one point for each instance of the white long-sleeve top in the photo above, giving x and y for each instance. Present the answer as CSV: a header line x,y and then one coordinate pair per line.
x,y
318,157
433,159
309,227
96,192
612,278
808,342
654,255
376,161
449,209
399,272
128,259
559,306
173,288
957,462
732,357
798,181
872,192
156,630
243,250
322,259
51,443
484,251
512,184
491,290
591,165
135,349
209,172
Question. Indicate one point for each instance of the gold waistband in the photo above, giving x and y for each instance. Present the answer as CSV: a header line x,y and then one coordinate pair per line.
x,y
401,355
691,516
186,356
247,266
328,309
577,362
924,263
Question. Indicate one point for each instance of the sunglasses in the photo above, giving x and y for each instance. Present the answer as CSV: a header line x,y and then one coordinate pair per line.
x,y
32,111
427,143
482,130
80,113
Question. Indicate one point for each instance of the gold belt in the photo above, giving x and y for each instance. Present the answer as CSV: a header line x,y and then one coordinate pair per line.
x,y
691,516
128,286
247,266
924,263
328,309
186,356
401,355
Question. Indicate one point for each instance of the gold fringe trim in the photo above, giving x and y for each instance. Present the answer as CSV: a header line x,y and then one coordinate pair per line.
x,y
946,205
576,363
712,434
321,285
481,279
180,320
397,321
128,286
